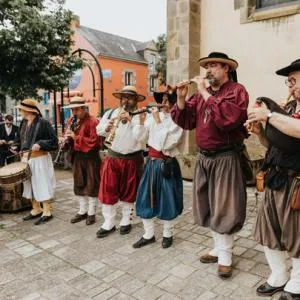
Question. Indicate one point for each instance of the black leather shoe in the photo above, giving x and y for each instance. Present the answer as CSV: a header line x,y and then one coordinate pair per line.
x,y
90,220
43,220
267,290
125,229
289,296
78,218
167,242
31,217
143,242
104,233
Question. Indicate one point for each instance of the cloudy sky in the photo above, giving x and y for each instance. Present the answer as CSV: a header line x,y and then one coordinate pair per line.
x,y
141,20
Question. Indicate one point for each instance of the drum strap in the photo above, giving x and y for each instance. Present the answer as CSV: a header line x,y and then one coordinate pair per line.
x,y
34,136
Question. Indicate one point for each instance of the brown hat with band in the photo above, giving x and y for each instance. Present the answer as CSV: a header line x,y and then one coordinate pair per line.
x,y
218,57
129,90
30,105
76,102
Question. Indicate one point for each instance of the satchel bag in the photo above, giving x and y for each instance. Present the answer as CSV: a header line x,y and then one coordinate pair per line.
x,y
167,168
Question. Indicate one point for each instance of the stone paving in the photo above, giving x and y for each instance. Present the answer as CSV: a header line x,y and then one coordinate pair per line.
x,y
61,260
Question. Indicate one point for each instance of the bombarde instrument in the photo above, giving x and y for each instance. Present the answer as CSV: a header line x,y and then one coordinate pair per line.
x,y
277,138
271,105
182,84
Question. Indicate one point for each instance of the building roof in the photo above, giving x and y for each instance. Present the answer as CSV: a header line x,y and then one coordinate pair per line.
x,y
115,46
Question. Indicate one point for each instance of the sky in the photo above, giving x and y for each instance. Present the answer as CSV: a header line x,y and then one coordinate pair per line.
x,y
141,20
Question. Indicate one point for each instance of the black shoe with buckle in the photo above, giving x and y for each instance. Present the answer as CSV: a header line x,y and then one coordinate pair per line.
x,y
125,229
43,220
78,218
31,217
167,242
143,242
289,296
267,290
102,233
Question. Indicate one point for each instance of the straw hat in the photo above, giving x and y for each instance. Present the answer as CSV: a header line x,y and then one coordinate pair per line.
x,y
129,90
218,57
76,102
30,105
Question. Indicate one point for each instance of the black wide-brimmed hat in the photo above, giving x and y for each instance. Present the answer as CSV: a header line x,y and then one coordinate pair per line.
x,y
218,57
170,92
293,67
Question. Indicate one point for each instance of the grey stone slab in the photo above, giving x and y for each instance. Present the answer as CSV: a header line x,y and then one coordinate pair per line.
x,y
49,244
70,273
148,292
107,294
27,250
172,284
247,279
208,296
5,276
127,284
84,283
92,266
182,270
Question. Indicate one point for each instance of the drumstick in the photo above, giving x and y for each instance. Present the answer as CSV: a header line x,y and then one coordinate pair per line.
x,y
19,153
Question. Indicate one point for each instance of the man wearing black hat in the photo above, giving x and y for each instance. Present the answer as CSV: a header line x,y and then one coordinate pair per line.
x,y
278,223
217,113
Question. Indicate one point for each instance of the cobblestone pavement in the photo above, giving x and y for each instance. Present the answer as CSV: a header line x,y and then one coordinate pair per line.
x,y
61,260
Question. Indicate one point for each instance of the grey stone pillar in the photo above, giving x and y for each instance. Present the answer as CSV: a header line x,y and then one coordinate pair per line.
x,y
183,31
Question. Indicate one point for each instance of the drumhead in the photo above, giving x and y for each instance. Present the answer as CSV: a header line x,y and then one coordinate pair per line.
x,y
13,168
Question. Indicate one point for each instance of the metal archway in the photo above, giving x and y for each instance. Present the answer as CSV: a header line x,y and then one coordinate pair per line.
x,y
101,94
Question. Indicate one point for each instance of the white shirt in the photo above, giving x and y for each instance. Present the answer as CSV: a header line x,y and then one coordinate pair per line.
x,y
127,139
165,136
8,129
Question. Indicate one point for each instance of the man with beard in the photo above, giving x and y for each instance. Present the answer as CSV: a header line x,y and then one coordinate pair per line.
x,y
217,113
278,222
122,167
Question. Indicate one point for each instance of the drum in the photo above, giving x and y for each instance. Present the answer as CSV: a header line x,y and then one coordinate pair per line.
x,y
14,174
11,199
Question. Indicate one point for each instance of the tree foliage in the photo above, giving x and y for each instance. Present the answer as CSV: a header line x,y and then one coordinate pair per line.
x,y
35,47
161,66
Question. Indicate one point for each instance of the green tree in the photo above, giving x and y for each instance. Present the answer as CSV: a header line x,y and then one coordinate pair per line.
x,y
161,66
35,47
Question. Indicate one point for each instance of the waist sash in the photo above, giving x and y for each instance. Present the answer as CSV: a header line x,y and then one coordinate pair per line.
x,y
133,155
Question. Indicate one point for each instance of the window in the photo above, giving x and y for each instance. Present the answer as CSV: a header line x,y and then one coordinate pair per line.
x,y
268,3
152,83
46,98
152,63
128,78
